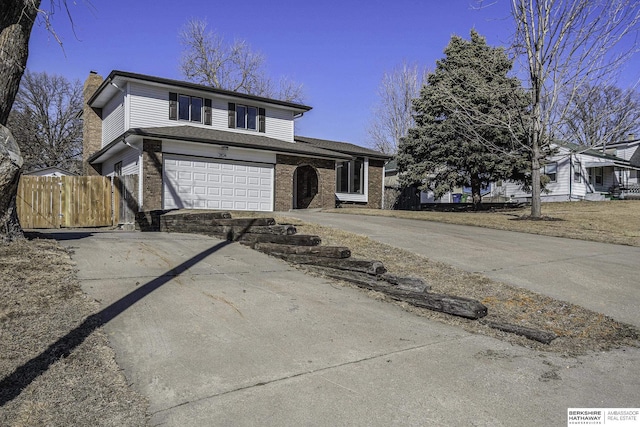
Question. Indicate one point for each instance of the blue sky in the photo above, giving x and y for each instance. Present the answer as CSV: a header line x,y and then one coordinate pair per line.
x,y
338,50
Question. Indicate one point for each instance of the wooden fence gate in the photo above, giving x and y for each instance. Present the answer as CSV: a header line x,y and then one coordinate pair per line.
x,y
68,201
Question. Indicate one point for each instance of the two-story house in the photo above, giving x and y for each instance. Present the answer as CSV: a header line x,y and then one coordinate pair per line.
x,y
195,147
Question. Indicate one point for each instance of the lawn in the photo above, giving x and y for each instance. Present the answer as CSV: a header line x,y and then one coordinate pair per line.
x,y
56,366
616,221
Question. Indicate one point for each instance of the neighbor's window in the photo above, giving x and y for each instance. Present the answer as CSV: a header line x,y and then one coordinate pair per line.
x,y
551,170
350,176
117,169
577,172
190,108
596,176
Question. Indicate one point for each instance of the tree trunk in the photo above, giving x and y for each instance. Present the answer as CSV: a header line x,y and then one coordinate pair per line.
x,y
476,184
10,166
16,21
536,132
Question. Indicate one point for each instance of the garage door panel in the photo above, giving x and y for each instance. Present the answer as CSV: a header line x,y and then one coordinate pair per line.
x,y
213,184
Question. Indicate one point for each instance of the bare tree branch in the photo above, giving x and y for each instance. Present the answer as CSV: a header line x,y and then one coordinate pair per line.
x,y
568,45
46,123
393,113
208,59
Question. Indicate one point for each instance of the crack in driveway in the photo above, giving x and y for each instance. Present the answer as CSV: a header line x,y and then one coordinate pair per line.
x,y
311,372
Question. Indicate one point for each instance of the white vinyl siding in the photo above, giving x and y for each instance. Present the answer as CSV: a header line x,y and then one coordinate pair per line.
x,y
149,107
201,183
130,159
113,119
218,151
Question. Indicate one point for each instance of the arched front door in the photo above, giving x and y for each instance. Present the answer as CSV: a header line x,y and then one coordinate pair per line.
x,y
305,186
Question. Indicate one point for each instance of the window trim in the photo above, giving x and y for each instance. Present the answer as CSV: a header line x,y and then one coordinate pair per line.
x,y
596,172
260,117
349,194
554,173
205,113
577,171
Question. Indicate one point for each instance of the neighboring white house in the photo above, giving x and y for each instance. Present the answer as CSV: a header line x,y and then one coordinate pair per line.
x,y
574,173
193,146
579,173
50,171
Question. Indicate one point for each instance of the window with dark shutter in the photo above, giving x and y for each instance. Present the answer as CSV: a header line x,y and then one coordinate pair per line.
x,y
232,115
207,112
262,122
173,106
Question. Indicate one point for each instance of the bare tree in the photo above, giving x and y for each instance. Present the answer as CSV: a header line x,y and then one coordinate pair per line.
x,y
208,59
567,45
601,114
392,114
46,122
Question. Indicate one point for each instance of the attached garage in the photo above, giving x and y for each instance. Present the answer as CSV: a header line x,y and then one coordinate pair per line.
x,y
203,183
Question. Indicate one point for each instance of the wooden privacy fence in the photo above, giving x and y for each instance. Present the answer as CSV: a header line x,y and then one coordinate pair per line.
x,y
74,201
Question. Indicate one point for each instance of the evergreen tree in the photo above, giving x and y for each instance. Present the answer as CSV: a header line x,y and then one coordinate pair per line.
x,y
468,122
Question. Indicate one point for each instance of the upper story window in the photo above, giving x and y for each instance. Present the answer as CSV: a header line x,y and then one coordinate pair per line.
x,y
246,117
350,176
189,108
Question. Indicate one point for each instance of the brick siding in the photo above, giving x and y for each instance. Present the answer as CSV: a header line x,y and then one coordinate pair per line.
x,y
91,125
152,174
284,175
375,184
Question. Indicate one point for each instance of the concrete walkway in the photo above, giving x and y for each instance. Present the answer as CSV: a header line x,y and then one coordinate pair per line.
x,y
217,334
602,277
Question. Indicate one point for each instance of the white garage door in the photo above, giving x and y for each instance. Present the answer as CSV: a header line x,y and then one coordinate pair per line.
x,y
196,183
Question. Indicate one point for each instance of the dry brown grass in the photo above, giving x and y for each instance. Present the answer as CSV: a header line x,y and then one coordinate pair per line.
x,y
41,304
579,330
616,221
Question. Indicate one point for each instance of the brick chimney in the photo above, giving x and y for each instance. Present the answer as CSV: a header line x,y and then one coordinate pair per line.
x,y
92,124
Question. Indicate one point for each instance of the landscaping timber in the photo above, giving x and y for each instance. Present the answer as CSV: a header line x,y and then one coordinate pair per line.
x,y
457,306
544,337
180,222
244,222
349,264
251,239
408,283
259,229
323,251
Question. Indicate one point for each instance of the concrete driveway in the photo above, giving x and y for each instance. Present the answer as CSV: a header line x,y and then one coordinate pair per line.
x,y
602,277
217,334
